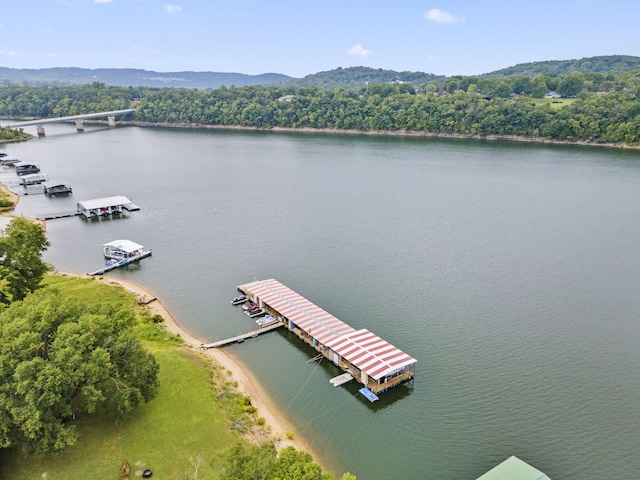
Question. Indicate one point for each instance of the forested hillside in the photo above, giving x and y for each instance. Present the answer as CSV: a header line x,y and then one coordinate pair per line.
x,y
602,64
358,77
603,108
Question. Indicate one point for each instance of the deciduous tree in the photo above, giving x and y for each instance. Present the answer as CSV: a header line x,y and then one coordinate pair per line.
x,y
21,265
59,359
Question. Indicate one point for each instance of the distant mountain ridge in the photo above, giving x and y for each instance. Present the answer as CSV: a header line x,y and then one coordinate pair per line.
x,y
129,77
350,78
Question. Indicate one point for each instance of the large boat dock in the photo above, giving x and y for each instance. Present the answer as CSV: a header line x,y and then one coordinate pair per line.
x,y
367,358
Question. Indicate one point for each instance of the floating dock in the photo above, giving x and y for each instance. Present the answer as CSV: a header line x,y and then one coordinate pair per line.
x,y
121,263
367,358
341,379
54,215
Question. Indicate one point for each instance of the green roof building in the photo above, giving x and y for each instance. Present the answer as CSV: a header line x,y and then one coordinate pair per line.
x,y
514,469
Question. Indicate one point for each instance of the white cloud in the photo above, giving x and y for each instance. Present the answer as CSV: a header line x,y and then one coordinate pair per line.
x,y
359,51
173,9
102,1
7,52
438,16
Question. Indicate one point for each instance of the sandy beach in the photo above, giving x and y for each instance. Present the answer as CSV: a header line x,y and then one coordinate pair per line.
x,y
278,425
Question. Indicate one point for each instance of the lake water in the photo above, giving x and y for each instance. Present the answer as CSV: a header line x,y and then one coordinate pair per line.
x,y
511,272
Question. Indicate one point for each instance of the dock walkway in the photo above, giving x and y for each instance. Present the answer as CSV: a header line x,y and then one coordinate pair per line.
x,y
243,337
54,215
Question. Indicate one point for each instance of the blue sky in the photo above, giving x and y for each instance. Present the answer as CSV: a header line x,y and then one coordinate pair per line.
x,y
301,38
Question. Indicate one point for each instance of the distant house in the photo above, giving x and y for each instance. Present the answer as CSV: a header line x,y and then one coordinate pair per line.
x,y
514,96
552,95
286,98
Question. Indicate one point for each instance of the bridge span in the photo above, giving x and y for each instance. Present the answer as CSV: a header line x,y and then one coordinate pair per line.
x,y
79,119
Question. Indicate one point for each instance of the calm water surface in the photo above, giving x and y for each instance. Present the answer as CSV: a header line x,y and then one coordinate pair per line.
x,y
510,272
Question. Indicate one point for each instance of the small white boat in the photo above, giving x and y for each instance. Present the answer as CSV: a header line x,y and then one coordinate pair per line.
x,y
266,321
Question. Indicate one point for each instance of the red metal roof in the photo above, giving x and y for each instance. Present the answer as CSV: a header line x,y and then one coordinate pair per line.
x,y
312,319
371,354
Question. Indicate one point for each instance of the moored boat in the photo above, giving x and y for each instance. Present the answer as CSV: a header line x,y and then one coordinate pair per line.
x,y
239,299
266,321
255,311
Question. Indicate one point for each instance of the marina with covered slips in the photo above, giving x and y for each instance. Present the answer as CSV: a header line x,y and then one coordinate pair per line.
x,y
369,359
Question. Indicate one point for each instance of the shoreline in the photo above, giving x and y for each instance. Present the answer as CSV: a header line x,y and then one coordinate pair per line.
x,y
275,421
276,425
396,133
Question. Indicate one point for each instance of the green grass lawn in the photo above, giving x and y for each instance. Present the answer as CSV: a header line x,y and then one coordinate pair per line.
x,y
185,420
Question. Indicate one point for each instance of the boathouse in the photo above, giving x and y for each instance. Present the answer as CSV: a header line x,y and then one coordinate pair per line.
x,y
369,359
105,206
33,179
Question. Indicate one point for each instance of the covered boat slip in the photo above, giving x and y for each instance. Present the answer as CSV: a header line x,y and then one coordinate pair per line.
x,y
119,249
105,206
121,253
370,360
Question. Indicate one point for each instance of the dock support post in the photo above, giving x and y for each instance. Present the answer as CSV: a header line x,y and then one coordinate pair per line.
x,y
80,125
112,121
40,130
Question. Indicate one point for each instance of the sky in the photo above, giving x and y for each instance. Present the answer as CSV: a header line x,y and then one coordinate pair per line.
x,y
298,38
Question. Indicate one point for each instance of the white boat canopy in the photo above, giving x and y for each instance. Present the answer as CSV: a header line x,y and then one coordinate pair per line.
x,y
125,245
107,202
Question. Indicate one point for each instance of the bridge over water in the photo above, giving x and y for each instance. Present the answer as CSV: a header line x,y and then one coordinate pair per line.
x,y
79,119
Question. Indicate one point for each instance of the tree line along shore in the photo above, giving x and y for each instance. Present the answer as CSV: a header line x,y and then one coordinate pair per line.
x,y
589,109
